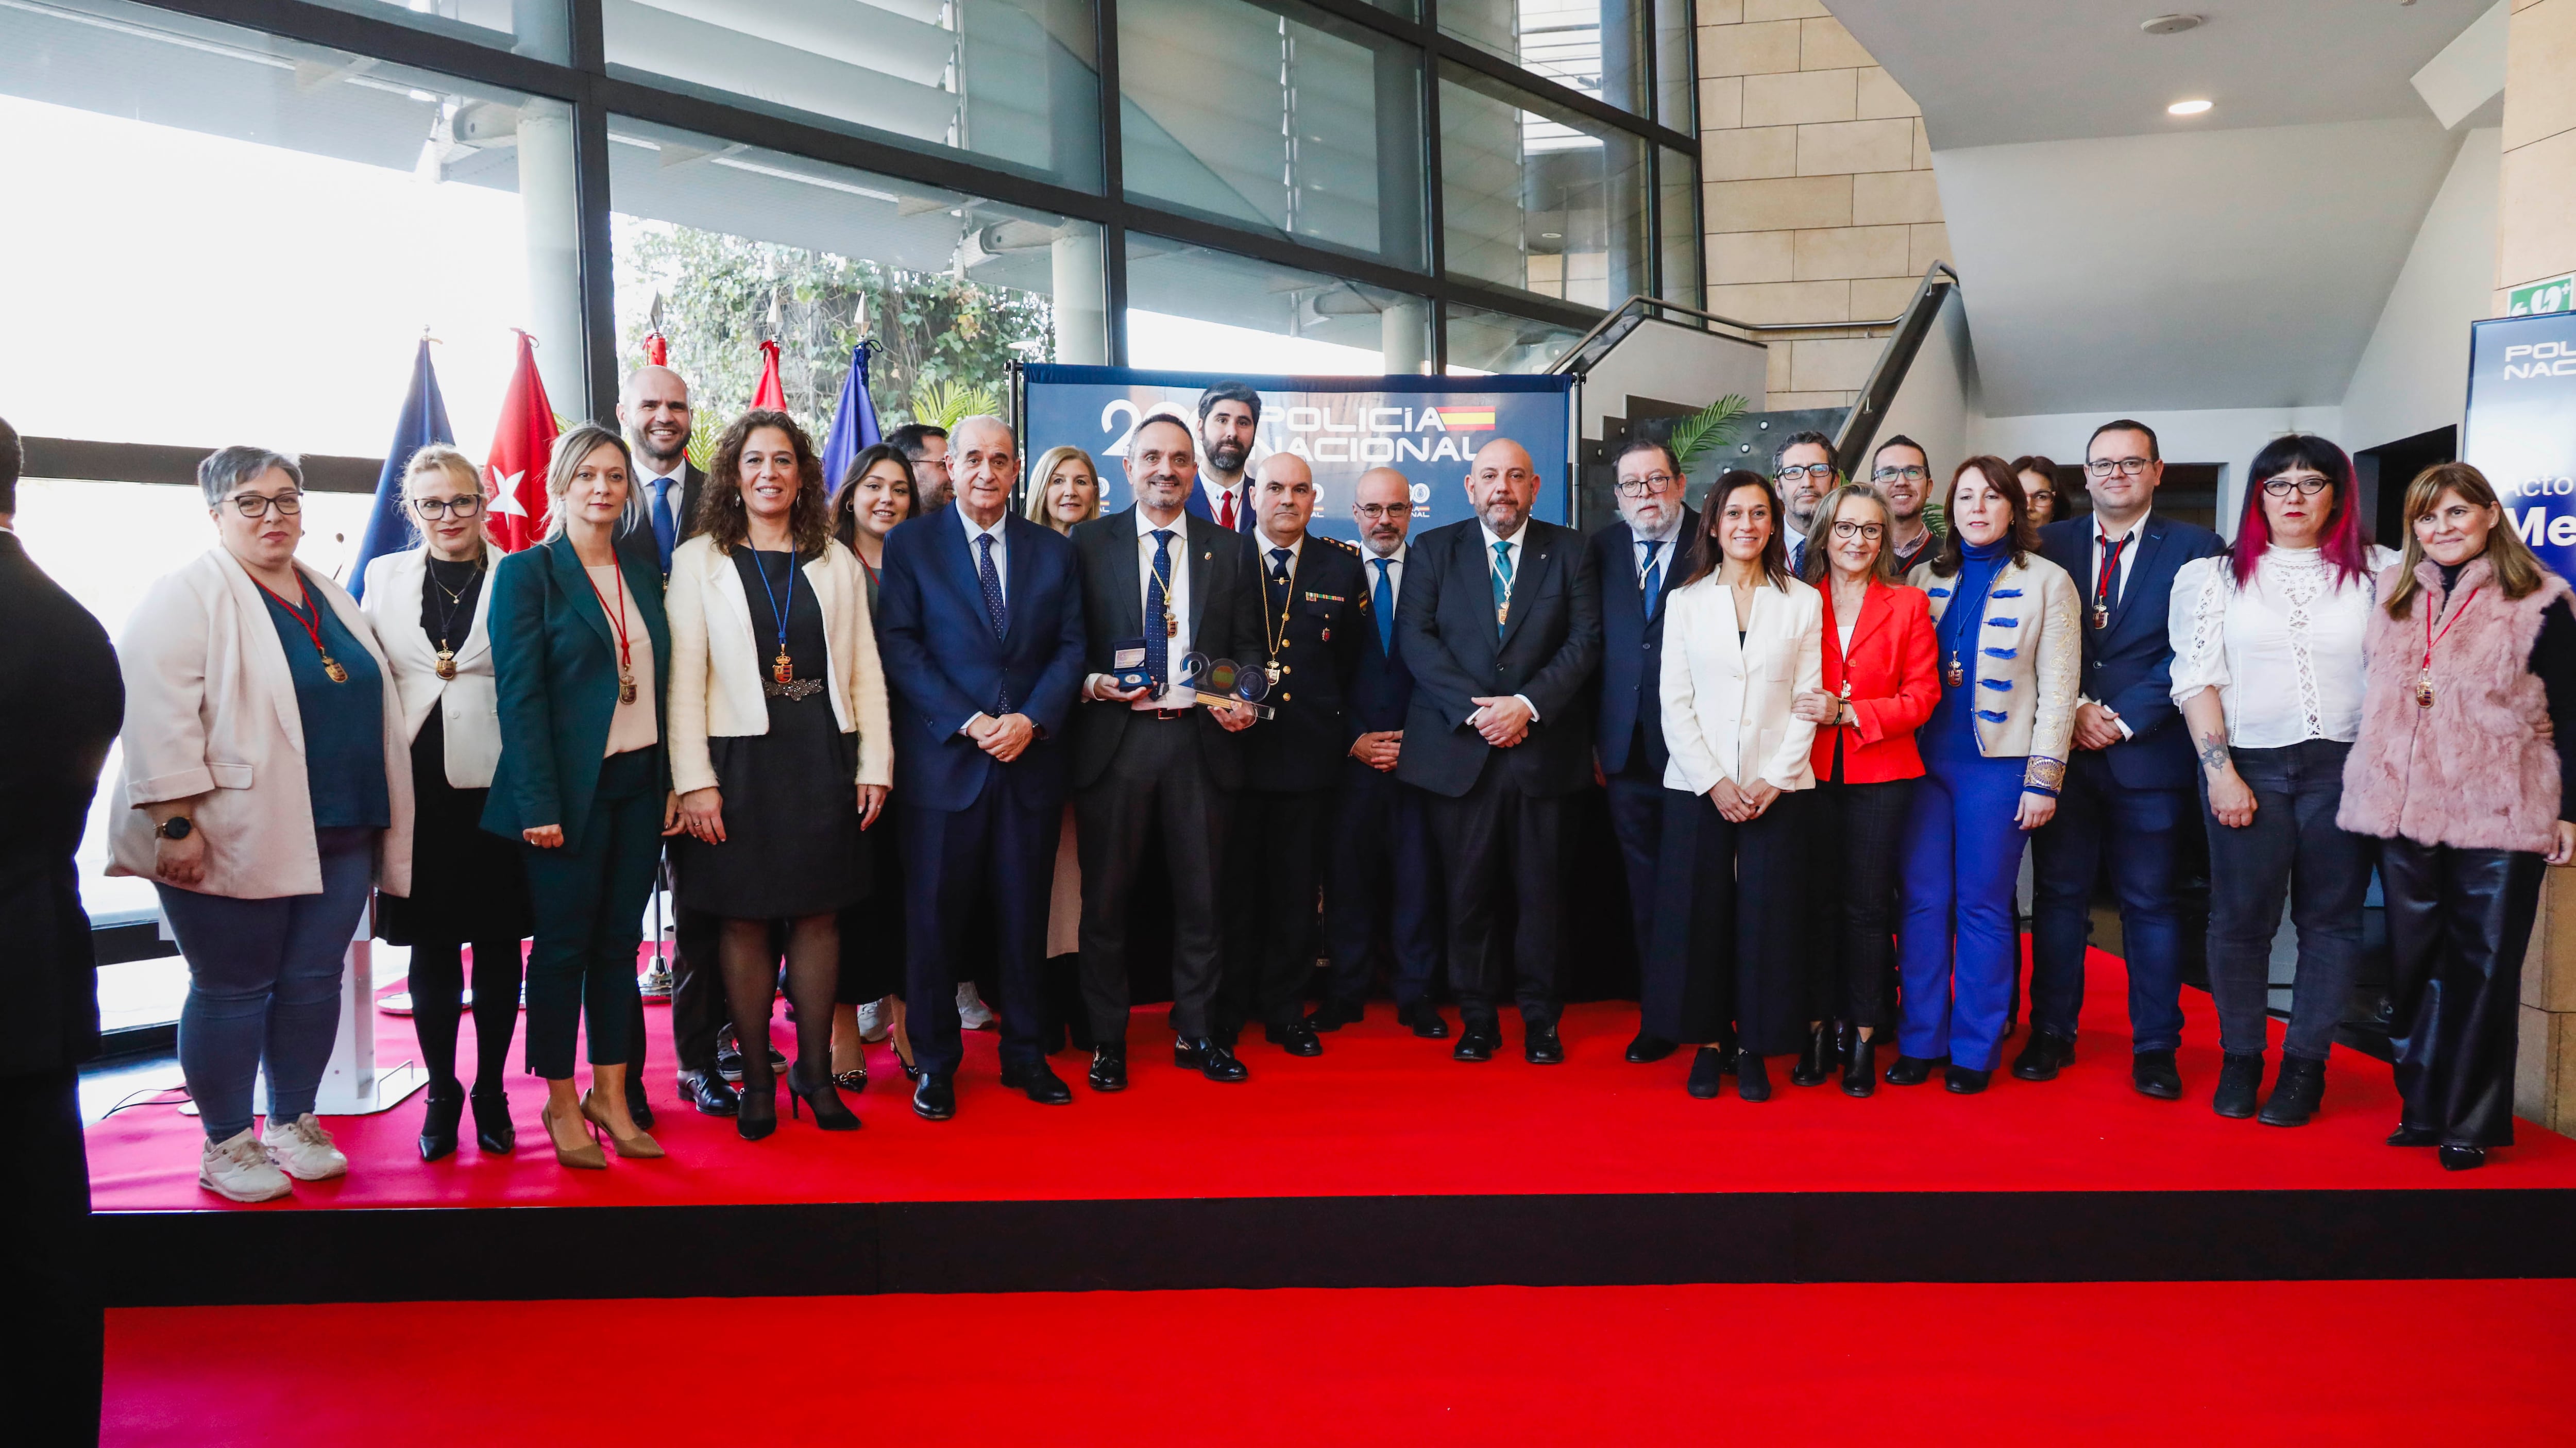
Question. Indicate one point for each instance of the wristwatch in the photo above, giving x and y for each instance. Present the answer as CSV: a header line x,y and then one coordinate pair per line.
x,y
176,827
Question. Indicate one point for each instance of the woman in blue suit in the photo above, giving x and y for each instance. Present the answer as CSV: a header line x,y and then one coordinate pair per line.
x,y
580,650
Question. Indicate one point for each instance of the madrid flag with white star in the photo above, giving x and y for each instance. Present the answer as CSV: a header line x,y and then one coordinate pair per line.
x,y
523,443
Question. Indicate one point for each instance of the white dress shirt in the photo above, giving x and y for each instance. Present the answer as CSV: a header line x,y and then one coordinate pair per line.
x,y
2284,652
1663,555
1001,550
1216,495
2128,558
1394,572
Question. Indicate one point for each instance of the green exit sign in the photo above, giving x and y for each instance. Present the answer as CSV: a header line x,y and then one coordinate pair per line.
x,y
2556,295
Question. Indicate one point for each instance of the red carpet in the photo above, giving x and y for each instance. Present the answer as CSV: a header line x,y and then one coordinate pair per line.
x,y
2149,1363
1382,1113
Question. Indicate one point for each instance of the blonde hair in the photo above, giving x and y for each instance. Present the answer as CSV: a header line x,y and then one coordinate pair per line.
x,y
2517,570
1816,567
1044,472
571,451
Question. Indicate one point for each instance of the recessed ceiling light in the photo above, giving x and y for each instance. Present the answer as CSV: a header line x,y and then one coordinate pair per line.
x,y
2170,24
2186,108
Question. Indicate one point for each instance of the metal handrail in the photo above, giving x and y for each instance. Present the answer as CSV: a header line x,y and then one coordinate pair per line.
x,y
1860,423
1642,303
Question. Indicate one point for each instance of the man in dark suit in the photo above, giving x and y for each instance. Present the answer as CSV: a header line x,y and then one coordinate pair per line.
x,y
980,628
1311,622
1803,466
653,408
1158,585
2130,779
1635,562
1501,626
61,703
1384,874
1229,418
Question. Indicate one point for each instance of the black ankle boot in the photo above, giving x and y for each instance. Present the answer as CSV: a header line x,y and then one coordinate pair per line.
x,y
494,1131
438,1121
815,1089
1860,1071
2295,1096
1752,1078
1816,1063
2240,1084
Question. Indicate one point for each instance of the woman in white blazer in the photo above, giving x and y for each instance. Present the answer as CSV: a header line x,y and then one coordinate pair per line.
x,y
2004,623
1742,639
469,888
779,745
263,791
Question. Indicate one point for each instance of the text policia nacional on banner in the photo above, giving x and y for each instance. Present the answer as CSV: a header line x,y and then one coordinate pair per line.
x,y
2521,428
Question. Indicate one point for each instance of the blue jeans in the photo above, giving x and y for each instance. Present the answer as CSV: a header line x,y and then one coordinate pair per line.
x,y
1961,856
2098,816
264,985
2292,849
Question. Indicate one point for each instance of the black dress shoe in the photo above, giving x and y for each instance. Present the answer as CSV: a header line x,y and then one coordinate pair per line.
x,y
1038,1079
1860,1067
2043,1057
494,1131
1541,1046
757,1116
1209,1059
2406,1135
1333,1015
1914,1070
1425,1019
2153,1073
1961,1081
2295,1096
2463,1158
1476,1043
709,1093
1109,1068
935,1097
1816,1063
445,1106
1752,1078
2240,1085
1707,1074
1297,1039
1649,1048
638,1110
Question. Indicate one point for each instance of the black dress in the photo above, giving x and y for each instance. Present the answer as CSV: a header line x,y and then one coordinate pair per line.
x,y
872,936
466,884
791,820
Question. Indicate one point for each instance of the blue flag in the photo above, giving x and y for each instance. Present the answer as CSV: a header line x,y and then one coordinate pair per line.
x,y
423,421
854,421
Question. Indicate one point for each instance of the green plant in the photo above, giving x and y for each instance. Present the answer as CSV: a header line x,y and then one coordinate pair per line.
x,y
945,404
1712,426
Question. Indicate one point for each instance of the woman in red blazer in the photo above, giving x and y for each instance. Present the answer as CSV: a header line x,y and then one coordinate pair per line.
x,y
1882,677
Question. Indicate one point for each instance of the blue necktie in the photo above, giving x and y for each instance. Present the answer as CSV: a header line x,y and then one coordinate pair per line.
x,y
1654,574
1384,602
1158,635
994,609
666,533
1502,584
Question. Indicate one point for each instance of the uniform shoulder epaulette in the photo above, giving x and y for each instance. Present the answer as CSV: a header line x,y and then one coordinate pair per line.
x,y
1351,548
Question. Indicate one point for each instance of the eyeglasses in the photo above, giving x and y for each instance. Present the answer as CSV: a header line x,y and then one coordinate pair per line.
x,y
1909,474
464,507
1376,512
1795,472
1871,531
1645,487
2308,486
252,505
2125,467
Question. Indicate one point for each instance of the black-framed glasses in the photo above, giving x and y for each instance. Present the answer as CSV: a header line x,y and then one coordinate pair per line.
x,y
1871,531
2308,486
1645,487
2125,467
1377,511
252,505
1799,472
1906,474
464,506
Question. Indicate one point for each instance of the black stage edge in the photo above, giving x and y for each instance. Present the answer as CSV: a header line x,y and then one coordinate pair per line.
x,y
525,1253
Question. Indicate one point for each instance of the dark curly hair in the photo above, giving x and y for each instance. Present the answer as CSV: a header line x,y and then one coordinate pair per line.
x,y
721,515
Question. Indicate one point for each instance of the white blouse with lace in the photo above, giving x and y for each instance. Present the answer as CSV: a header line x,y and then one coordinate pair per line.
x,y
2283,652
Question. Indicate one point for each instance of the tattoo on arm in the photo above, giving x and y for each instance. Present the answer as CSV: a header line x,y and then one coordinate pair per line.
x,y
2213,752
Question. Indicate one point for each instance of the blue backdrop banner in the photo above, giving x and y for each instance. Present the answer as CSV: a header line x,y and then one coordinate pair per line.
x,y
2521,428
1427,428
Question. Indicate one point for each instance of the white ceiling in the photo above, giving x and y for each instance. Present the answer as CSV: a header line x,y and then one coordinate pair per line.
x,y
2114,258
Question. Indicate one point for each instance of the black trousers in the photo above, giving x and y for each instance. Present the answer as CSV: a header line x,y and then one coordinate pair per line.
x,y
1155,778
998,852
52,1376
1636,799
1495,843
698,1012
1731,926
1274,857
2293,850
1859,834
2458,923
1382,888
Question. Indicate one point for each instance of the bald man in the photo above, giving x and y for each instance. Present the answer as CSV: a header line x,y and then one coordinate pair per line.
x,y
653,407
1501,626
1311,623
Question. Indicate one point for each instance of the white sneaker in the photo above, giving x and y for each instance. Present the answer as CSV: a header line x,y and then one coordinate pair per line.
x,y
872,1024
235,1167
302,1149
972,1013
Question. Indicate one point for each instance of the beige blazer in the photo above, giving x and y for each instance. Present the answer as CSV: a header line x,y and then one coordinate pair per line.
x,y
210,709
468,706
1726,704
2031,644
718,664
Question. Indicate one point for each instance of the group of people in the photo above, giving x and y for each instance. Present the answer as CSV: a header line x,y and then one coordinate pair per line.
x,y
884,733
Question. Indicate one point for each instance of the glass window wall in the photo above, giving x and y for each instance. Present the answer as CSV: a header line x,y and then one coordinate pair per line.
x,y
1482,342
1677,213
1194,309
1537,198
1593,46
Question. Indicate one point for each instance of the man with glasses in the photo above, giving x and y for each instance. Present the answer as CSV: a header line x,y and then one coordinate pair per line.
x,y
1804,467
1635,563
1902,472
925,446
2130,779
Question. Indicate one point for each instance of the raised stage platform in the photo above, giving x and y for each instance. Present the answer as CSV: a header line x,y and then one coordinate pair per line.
x,y
1380,1164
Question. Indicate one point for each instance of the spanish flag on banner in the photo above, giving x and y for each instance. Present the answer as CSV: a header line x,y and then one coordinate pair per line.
x,y
1468,419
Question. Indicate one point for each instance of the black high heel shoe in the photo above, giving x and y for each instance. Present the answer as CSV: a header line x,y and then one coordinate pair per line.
x,y
758,1116
830,1112
494,1131
1816,1063
438,1122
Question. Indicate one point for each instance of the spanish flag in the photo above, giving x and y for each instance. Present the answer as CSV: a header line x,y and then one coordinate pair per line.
x,y
1467,419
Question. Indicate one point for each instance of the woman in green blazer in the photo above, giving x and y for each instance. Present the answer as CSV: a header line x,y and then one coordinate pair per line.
x,y
580,649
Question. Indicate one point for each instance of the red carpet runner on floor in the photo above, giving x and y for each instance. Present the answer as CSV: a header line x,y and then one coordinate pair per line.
x,y
1383,1113
2087,1364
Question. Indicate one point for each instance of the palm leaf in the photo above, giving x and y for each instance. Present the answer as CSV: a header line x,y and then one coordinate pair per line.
x,y
1712,426
945,404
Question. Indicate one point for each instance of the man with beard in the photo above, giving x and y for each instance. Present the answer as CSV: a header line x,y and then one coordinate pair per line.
x,y
1803,466
1229,415
1902,472
925,446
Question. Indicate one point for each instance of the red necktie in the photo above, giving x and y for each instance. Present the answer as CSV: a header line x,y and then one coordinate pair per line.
x,y
1227,520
